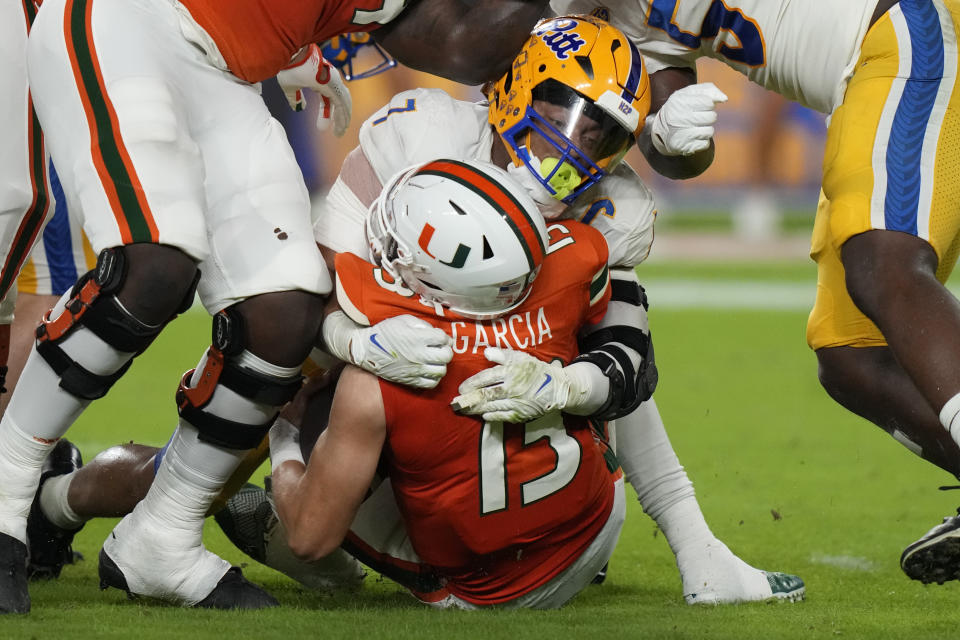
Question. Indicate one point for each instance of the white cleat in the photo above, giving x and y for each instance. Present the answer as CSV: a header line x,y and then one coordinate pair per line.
x,y
719,577
172,565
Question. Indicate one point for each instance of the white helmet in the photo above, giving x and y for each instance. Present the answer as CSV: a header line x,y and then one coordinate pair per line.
x,y
461,234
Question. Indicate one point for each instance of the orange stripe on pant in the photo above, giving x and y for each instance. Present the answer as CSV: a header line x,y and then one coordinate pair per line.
x,y
109,154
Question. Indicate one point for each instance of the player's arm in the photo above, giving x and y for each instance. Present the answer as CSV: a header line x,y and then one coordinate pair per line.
x,y
405,350
468,41
678,137
620,346
317,502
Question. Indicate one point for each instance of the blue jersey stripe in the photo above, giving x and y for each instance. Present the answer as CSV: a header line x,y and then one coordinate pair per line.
x,y
57,242
913,114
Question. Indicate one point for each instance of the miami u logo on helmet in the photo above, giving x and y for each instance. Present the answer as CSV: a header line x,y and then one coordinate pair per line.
x,y
556,35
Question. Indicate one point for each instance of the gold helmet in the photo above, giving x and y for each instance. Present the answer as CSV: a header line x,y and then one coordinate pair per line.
x,y
573,102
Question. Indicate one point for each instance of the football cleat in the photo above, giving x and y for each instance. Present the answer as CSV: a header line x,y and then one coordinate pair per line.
x,y
14,596
233,591
936,556
51,546
601,576
247,520
251,523
714,575
784,586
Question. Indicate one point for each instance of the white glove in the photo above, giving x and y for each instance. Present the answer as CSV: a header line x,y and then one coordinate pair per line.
x,y
684,124
522,388
402,349
315,73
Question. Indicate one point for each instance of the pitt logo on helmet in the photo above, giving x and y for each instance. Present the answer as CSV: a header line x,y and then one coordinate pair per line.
x,y
557,36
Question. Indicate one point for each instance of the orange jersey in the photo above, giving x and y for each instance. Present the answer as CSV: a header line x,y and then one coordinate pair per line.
x,y
257,38
496,509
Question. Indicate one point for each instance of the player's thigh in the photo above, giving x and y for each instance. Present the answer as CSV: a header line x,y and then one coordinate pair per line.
x,y
107,79
891,158
260,232
572,580
835,320
378,538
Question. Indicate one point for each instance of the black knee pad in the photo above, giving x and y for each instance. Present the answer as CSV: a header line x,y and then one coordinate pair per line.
x,y
92,304
221,370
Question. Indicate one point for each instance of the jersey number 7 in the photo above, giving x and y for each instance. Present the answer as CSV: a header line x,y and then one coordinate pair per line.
x,y
493,462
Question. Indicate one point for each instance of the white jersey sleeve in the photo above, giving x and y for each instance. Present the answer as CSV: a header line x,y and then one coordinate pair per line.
x,y
339,225
422,125
414,127
802,49
622,208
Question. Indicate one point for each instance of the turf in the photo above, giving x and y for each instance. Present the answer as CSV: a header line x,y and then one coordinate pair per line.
x,y
786,478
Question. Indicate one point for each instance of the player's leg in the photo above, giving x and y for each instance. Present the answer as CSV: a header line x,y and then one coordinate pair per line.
x,y
859,370
115,312
710,572
266,283
886,234
23,205
60,256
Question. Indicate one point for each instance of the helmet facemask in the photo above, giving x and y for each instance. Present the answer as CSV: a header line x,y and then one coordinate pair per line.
x,y
566,141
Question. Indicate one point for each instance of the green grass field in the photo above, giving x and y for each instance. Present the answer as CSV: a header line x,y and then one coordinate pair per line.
x,y
757,435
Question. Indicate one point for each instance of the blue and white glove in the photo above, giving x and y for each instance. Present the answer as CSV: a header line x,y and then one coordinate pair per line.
x,y
402,349
684,124
522,388
312,71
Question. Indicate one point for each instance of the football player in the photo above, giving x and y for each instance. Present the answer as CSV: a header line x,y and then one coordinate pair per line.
x,y
530,521
885,329
178,168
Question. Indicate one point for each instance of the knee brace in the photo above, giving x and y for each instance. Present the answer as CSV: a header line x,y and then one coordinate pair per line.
x,y
220,369
93,305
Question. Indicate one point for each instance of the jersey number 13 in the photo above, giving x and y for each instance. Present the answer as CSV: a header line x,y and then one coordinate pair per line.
x,y
493,463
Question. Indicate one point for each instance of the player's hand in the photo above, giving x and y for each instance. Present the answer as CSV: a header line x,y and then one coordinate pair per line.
x,y
313,72
403,349
519,389
684,124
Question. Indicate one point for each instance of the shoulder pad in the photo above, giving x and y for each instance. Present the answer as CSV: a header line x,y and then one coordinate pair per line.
x,y
622,208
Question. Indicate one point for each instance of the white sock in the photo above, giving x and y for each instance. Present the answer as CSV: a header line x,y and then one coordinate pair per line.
x,y
21,457
54,503
654,471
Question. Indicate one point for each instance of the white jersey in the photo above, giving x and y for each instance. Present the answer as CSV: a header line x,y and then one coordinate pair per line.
x,y
802,49
426,124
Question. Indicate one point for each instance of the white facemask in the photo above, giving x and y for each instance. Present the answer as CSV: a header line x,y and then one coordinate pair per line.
x,y
549,206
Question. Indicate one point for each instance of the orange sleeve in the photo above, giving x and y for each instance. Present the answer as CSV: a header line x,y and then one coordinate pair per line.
x,y
352,278
594,253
